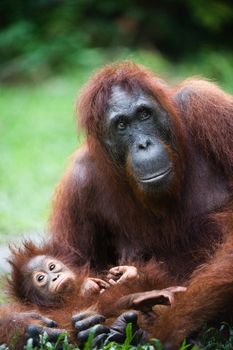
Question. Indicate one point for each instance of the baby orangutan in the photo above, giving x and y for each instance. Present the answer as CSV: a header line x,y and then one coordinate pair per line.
x,y
47,284
41,278
51,281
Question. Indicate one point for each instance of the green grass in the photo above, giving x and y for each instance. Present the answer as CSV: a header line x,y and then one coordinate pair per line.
x,y
220,338
38,134
2,296
62,343
211,339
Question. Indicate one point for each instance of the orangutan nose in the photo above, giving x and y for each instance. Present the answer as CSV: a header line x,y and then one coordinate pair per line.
x,y
55,278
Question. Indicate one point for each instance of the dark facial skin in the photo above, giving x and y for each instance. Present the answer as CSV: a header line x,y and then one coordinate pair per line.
x,y
136,133
50,276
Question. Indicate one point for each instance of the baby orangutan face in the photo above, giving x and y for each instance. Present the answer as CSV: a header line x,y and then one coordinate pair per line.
x,y
50,276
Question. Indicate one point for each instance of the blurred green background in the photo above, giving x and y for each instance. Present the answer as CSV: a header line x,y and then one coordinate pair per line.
x,y
49,48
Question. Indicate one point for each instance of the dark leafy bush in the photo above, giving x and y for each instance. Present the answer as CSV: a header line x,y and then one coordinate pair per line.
x,y
43,36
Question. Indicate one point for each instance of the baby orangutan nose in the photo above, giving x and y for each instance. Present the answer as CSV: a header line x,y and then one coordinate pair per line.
x,y
55,278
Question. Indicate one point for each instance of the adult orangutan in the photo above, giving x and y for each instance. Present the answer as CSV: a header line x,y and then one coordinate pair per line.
x,y
153,180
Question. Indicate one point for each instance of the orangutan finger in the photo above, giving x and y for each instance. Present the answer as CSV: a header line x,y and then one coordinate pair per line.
x,y
89,322
82,315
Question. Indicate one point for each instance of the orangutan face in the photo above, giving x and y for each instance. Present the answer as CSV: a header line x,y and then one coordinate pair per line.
x,y
50,276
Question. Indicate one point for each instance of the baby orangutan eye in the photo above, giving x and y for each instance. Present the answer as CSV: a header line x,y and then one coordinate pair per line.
x,y
52,267
40,278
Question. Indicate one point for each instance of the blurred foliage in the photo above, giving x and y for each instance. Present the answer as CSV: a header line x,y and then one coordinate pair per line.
x,y
45,36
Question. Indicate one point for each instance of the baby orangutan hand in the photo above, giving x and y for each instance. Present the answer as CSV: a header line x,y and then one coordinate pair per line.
x,y
93,285
122,274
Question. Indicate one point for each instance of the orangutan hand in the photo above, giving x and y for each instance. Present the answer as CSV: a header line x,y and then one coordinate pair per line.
x,y
121,274
93,286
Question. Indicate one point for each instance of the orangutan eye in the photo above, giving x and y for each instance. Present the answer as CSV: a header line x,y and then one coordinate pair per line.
x,y
40,278
121,125
52,267
144,113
